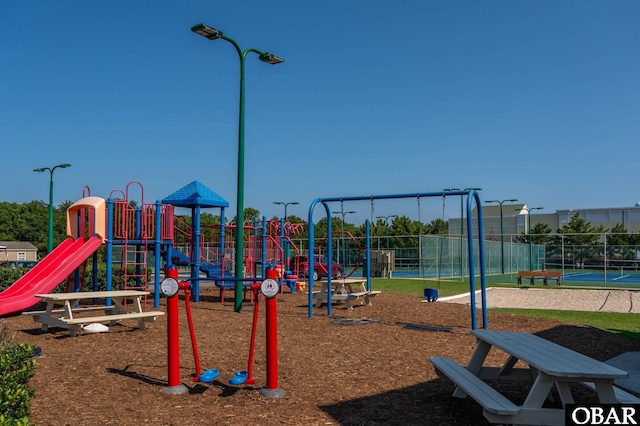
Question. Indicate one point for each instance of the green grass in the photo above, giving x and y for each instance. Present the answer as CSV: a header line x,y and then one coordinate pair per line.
x,y
624,324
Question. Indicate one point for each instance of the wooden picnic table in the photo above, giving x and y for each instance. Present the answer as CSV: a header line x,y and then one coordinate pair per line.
x,y
345,289
62,309
549,365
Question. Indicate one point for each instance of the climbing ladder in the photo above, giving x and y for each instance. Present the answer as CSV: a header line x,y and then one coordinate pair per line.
x,y
135,267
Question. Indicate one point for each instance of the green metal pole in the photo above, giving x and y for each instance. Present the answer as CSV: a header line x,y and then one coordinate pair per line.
x,y
239,267
501,230
530,245
50,245
213,34
51,170
501,241
387,235
530,239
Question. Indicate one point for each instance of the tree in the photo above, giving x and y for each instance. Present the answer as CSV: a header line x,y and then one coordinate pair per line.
x,y
438,227
620,245
540,234
582,238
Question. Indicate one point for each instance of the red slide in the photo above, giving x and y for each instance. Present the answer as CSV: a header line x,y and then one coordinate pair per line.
x,y
47,274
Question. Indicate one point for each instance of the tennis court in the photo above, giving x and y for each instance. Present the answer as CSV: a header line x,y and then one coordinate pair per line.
x,y
615,277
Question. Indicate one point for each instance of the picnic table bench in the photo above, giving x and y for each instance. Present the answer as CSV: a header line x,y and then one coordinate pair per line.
x,y
65,311
544,275
549,365
345,289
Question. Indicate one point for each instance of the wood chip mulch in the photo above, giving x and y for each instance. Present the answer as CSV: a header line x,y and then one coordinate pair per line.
x,y
373,371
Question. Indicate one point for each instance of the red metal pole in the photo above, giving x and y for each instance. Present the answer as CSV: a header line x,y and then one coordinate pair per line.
x,y
187,301
271,317
173,339
173,343
255,290
272,343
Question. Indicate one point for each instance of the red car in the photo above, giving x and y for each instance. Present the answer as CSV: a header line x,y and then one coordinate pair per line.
x,y
300,267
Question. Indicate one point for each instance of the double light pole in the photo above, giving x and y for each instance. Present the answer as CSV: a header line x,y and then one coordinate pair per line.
x,y
292,203
528,210
461,222
51,170
501,229
213,34
386,221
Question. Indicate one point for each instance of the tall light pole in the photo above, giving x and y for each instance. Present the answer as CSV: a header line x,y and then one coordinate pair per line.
x,y
528,210
51,169
386,221
343,213
501,230
292,203
461,223
461,228
213,34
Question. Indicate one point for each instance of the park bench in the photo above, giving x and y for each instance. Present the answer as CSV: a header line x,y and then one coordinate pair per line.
x,y
67,316
348,290
490,399
549,365
543,275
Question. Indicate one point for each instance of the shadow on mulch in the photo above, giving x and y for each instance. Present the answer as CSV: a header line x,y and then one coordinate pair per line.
x,y
137,376
424,404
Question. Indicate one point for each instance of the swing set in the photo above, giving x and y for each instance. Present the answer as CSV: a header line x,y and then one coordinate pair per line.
x,y
429,293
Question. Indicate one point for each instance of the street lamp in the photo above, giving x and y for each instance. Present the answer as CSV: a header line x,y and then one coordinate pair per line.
x,y
528,210
51,169
501,230
461,223
386,221
292,203
213,34
343,213
461,227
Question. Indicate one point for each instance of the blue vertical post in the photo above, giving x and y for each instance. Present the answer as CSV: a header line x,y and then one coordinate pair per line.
x,y
76,274
284,245
222,251
264,245
138,238
256,234
195,243
157,254
109,254
483,288
483,282
367,244
329,262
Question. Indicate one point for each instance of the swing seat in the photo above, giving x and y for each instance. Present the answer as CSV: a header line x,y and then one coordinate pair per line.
x,y
208,376
430,294
239,377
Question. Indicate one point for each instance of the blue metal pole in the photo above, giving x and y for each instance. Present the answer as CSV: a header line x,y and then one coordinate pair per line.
x,y
195,238
367,228
157,250
109,254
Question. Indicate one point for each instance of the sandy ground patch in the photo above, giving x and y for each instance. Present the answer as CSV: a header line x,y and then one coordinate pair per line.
x,y
571,300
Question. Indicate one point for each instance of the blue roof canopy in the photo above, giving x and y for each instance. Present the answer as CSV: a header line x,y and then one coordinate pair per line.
x,y
195,194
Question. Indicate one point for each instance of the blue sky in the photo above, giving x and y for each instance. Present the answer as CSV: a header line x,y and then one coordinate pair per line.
x,y
534,100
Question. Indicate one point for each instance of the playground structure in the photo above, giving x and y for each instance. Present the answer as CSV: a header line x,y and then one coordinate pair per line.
x,y
137,234
472,196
